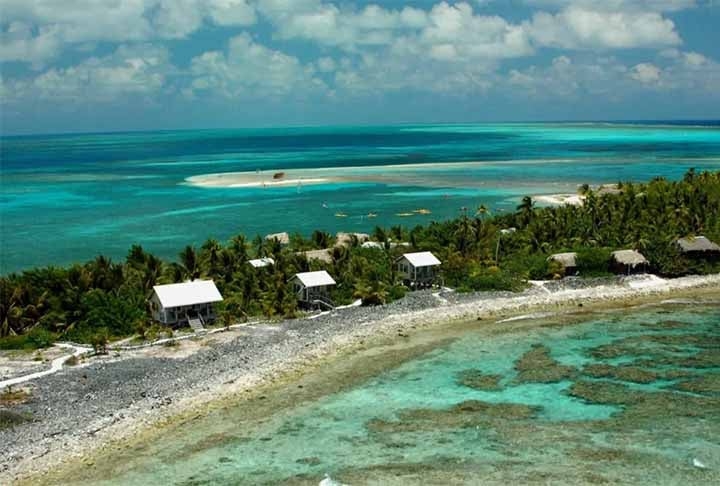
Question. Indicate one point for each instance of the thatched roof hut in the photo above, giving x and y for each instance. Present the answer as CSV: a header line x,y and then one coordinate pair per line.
x,y
567,260
283,238
697,244
628,261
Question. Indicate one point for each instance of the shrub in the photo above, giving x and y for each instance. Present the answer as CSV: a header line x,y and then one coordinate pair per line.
x,y
593,262
40,338
99,340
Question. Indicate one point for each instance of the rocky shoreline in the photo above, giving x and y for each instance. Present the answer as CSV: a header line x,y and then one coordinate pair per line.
x,y
111,398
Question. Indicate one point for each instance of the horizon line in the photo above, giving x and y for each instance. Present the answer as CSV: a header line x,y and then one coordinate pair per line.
x,y
687,122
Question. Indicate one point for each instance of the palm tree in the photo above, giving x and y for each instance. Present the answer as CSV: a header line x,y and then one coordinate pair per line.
x,y
210,256
238,245
525,210
189,262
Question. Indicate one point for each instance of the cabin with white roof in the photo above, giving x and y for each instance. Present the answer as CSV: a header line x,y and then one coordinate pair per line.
x,y
261,262
418,269
186,302
312,288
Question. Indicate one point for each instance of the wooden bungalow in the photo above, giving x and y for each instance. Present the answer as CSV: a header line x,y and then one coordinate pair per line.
x,y
312,289
628,261
698,247
185,303
418,269
567,260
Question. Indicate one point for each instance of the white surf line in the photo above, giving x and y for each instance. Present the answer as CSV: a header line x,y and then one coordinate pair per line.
x,y
56,365
540,284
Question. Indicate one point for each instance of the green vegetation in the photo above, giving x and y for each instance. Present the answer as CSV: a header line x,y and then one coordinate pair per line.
x,y
11,396
9,419
103,300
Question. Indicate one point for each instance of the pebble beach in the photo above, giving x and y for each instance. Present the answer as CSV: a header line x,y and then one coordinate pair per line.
x,y
108,399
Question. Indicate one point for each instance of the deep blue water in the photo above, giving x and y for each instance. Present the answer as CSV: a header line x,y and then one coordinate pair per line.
x,y
66,198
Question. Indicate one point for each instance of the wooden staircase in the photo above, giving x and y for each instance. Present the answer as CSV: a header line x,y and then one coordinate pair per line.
x,y
323,302
196,323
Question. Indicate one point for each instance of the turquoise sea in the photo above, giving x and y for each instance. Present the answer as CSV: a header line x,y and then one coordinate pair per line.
x,y
611,397
66,198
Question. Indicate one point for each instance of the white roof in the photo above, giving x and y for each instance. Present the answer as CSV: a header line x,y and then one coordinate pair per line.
x,y
187,293
315,279
421,259
261,262
372,244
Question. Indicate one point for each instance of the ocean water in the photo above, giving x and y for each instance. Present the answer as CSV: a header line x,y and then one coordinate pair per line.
x,y
67,198
413,420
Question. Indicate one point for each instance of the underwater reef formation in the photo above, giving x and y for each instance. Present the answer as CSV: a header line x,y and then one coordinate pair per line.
x,y
537,366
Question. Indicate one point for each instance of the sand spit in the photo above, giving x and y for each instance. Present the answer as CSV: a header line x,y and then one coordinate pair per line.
x,y
80,411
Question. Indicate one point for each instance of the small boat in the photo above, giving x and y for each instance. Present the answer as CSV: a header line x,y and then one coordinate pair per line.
x,y
422,211
340,215
372,215
404,215
324,205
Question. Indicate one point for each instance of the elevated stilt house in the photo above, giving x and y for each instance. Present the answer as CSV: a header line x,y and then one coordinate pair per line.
x,y
312,289
418,269
185,303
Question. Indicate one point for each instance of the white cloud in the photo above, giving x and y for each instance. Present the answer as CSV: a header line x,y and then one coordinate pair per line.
x,y
610,79
645,73
137,70
249,69
17,43
581,28
617,5
51,27
330,25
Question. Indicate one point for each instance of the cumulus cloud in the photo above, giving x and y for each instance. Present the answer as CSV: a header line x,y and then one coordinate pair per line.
x,y
131,70
247,68
581,28
645,73
608,77
330,25
37,30
616,5
19,43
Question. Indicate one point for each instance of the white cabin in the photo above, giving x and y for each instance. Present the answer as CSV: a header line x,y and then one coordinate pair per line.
x,y
418,268
313,286
261,262
180,302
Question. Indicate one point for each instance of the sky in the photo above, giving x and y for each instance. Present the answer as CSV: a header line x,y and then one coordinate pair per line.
x,y
115,65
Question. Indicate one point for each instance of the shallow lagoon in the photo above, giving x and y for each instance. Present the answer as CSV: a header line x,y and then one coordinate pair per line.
x,y
414,414
94,193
